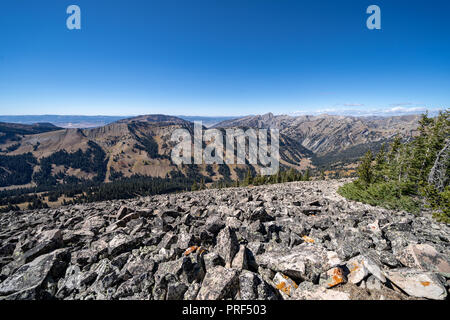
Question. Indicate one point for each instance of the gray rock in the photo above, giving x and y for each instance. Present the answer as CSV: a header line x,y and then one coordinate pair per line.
x,y
303,261
212,259
253,287
309,291
418,283
30,280
227,245
424,257
240,260
175,246
372,283
120,243
219,283
122,212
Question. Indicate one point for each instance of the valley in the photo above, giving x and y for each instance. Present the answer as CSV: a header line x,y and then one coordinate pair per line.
x,y
44,165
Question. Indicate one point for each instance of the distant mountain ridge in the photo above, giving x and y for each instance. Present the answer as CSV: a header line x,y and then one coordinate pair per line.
x,y
43,162
82,122
325,134
137,146
13,131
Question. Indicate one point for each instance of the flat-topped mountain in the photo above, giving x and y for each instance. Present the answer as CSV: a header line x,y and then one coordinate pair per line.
x,y
14,131
139,146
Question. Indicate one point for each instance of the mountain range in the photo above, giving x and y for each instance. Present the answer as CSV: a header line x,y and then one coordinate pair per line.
x,y
74,121
46,155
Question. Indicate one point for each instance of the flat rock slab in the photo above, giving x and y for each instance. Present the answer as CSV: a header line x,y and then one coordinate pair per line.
x,y
417,283
28,279
319,293
425,257
294,263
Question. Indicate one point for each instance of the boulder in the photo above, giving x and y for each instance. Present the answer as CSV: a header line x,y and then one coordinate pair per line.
x,y
253,287
219,283
120,243
335,277
227,245
425,257
357,270
285,284
31,279
303,261
418,283
240,259
309,291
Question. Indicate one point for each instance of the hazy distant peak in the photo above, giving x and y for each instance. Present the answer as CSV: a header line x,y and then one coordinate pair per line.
x,y
153,118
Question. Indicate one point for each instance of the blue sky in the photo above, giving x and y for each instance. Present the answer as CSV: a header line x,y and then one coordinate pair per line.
x,y
223,57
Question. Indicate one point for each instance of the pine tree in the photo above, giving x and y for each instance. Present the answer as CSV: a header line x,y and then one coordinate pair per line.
x,y
248,180
402,174
306,176
365,171
202,184
380,161
322,175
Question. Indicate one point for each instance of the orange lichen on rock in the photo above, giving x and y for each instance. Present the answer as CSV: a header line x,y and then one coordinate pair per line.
x,y
283,287
284,283
190,250
308,239
353,267
425,283
337,277
293,282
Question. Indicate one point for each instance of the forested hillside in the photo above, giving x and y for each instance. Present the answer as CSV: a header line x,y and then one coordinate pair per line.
x,y
409,175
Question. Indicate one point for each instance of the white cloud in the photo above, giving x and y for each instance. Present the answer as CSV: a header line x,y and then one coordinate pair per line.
x,y
406,109
402,104
390,111
353,105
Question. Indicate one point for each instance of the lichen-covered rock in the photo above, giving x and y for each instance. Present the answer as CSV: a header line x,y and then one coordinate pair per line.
x,y
357,270
253,287
425,257
219,283
309,291
232,243
298,261
240,260
417,283
227,245
285,284
335,277
31,280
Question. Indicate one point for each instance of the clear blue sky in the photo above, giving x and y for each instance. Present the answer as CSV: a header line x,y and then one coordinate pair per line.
x,y
222,57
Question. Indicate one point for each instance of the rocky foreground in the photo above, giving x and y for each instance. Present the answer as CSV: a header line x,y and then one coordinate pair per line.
x,y
287,241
